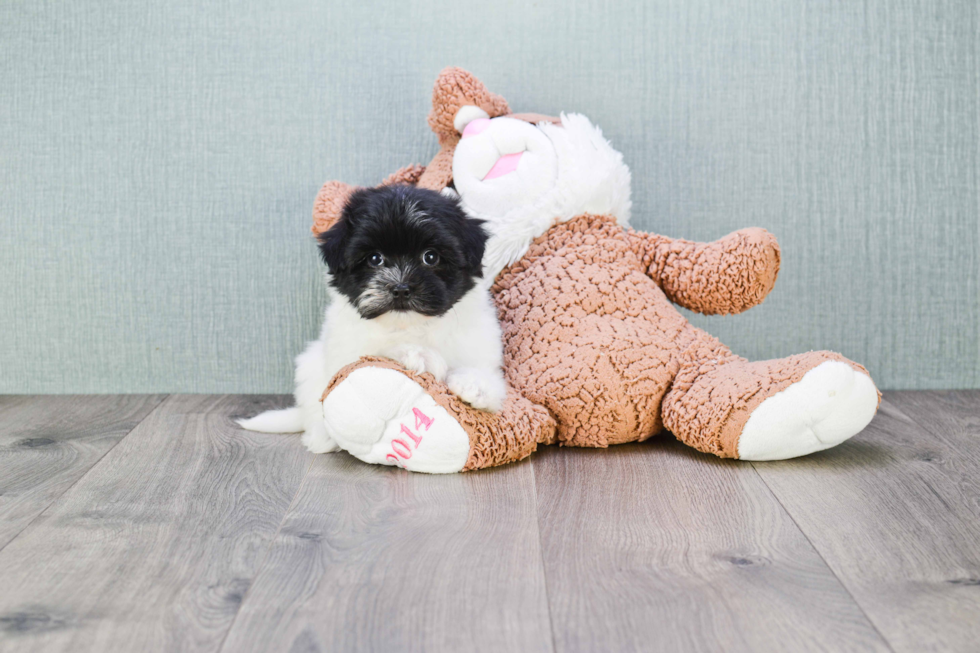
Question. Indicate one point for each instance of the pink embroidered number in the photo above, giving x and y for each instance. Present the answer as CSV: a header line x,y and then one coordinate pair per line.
x,y
415,438
400,448
421,419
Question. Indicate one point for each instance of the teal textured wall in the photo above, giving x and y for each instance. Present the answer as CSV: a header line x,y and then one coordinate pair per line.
x,y
158,162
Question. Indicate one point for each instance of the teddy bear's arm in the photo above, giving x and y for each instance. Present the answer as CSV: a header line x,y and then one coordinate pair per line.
x,y
729,275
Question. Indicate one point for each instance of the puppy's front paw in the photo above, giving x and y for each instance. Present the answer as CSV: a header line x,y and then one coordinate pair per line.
x,y
482,389
420,360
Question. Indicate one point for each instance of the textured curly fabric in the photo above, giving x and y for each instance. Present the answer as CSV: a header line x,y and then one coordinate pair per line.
x,y
512,435
439,172
495,439
715,392
333,195
588,335
410,174
454,89
329,204
595,353
726,276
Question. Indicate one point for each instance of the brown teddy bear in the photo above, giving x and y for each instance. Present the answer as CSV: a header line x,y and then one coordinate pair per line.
x,y
595,352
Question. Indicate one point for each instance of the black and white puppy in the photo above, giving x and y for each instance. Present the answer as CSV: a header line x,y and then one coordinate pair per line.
x,y
405,277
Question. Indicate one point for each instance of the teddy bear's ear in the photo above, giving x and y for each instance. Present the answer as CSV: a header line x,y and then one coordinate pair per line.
x,y
456,88
329,205
333,196
408,175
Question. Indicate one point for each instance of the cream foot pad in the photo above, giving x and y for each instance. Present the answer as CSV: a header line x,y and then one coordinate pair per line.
x,y
828,405
383,417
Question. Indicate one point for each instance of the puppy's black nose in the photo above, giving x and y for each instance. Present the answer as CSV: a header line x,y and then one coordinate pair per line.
x,y
401,291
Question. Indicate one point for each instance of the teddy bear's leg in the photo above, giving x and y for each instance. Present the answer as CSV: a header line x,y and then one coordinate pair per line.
x,y
766,410
382,414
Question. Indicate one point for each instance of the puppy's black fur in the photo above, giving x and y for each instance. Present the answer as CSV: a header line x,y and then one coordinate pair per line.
x,y
404,226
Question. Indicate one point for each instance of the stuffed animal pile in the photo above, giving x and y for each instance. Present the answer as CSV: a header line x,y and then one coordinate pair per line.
x,y
595,351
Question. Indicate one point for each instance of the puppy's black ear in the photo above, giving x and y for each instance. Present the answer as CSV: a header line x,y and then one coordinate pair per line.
x,y
333,244
473,241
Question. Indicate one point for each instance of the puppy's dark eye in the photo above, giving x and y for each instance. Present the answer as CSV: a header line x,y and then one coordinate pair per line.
x,y
376,260
430,257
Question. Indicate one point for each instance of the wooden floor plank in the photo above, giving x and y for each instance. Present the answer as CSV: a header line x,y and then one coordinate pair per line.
x,y
656,547
377,559
156,540
154,548
48,443
896,514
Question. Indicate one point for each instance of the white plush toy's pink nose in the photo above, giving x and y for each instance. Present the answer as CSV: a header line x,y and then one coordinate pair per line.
x,y
504,165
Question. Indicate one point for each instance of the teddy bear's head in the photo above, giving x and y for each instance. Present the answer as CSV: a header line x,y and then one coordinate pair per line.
x,y
521,173
523,178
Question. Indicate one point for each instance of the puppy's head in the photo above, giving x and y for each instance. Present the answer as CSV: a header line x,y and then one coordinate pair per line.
x,y
401,248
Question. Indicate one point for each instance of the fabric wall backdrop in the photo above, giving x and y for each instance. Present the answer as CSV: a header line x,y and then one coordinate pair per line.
x,y
158,163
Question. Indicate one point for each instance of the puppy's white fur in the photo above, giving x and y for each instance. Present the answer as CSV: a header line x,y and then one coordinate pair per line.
x,y
462,347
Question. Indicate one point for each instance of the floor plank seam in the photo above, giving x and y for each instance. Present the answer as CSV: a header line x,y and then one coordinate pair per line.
x,y
925,426
544,571
840,580
265,556
95,464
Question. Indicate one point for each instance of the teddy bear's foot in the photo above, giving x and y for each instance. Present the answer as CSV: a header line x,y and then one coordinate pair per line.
x,y
831,403
382,416
767,410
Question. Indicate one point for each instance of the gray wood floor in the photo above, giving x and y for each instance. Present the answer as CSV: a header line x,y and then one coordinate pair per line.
x,y
132,523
